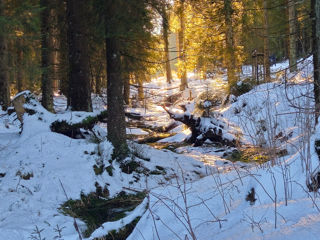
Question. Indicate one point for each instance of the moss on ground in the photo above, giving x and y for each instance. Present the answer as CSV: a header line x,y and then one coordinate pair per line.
x,y
95,210
122,233
249,155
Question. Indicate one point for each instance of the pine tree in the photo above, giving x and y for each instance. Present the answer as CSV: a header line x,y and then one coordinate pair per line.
x,y
266,61
4,77
292,35
165,35
230,51
182,71
48,58
116,117
79,97
315,8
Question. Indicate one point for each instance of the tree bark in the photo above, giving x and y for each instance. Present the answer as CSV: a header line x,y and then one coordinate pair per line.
x,y
63,55
292,36
79,75
20,68
46,53
165,35
315,8
116,121
266,61
4,73
182,72
126,87
204,128
140,80
230,56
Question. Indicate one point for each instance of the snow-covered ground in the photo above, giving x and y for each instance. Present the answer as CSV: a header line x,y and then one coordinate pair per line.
x,y
200,195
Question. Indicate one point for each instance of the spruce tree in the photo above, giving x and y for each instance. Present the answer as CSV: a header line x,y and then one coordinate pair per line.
x,y
4,77
47,53
315,8
79,97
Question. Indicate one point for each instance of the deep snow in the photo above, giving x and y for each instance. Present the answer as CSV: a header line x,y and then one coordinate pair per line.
x,y
201,196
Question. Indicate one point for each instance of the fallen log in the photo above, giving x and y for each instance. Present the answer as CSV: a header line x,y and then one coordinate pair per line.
x,y
203,128
73,130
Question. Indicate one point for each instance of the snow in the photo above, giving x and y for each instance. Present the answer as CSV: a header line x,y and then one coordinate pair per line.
x,y
53,159
109,226
200,195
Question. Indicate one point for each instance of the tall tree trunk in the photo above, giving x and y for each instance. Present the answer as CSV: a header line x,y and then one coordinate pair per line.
x,y
116,123
126,87
266,61
181,47
230,56
165,35
46,53
116,120
62,42
140,80
292,35
79,75
98,81
55,48
4,74
315,8
20,68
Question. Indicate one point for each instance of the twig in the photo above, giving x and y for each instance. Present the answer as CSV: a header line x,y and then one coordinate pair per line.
x,y
74,219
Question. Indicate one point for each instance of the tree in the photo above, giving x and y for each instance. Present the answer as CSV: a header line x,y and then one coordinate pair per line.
x,y
165,35
116,117
79,97
266,61
230,51
182,71
48,58
20,64
315,8
292,35
4,77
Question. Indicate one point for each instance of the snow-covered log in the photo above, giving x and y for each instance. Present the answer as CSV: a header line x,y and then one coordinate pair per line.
x,y
204,128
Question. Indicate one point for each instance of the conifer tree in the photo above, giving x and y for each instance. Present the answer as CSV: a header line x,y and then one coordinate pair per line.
x,y
165,35
47,53
315,8
79,97
266,61
4,77
292,35
182,71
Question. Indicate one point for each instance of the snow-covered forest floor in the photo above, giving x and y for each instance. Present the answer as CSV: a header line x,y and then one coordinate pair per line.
x,y
190,192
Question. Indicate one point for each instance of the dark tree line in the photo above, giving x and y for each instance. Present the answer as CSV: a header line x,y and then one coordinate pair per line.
x,y
80,42
78,46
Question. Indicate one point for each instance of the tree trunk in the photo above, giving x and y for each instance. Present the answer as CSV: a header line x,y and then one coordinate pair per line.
x,y
63,55
46,52
292,36
140,81
116,121
315,8
126,87
266,61
79,75
165,35
182,72
230,57
20,68
98,79
4,74
203,128
54,53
